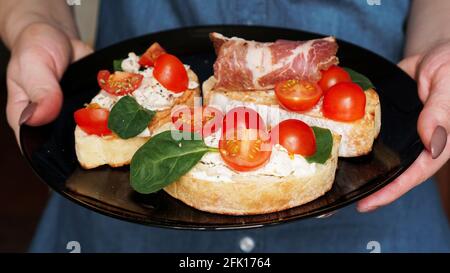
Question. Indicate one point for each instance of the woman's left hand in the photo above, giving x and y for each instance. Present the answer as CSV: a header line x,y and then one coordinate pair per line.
x,y
432,73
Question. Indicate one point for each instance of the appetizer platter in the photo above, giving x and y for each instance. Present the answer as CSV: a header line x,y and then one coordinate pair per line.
x,y
227,127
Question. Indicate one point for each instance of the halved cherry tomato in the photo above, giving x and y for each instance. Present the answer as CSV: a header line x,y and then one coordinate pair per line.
x,y
298,95
243,117
204,120
295,136
120,83
170,72
149,57
332,76
245,149
344,101
93,120
245,144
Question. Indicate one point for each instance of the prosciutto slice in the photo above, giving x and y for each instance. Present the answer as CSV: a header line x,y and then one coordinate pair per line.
x,y
251,65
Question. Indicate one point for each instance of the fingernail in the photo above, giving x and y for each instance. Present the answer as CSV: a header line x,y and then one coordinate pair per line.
x,y
27,113
438,141
368,209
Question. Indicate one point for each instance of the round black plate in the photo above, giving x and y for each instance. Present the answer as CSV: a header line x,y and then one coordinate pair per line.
x,y
50,149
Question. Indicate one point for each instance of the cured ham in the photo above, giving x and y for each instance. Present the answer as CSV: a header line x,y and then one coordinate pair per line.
x,y
251,65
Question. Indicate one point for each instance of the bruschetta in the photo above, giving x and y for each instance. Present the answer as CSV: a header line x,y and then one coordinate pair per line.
x,y
248,73
103,136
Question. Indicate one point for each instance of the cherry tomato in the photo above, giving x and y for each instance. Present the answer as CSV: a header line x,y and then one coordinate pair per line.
x,y
245,149
295,136
120,83
298,95
204,120
149,57
93,120
332,76
344,101
170,72
245,144
243,117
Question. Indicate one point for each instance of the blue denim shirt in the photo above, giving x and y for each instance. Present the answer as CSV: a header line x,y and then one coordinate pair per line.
x,y
398,227
379,28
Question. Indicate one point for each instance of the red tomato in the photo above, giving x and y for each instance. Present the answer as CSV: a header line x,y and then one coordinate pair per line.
x,y
344,101
245,149
93,120
243,117
295,136
204,120
120,83
170,72
332,76
298,95
149,57
245,144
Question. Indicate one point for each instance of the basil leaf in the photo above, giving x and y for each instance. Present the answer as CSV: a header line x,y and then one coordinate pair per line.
x,y
163,160
359,79
128,119
324,142
117,65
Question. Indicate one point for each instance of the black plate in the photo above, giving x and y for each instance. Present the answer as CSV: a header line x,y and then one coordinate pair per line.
x,y
50,149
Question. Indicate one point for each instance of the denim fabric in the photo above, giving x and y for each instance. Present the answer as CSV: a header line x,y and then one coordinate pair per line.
x,y
414,223
378,28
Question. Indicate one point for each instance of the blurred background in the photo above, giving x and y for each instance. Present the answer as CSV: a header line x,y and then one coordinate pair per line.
x,y
23,196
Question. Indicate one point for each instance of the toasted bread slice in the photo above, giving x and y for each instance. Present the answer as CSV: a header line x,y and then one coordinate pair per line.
x,y
246,194
93,151
357,136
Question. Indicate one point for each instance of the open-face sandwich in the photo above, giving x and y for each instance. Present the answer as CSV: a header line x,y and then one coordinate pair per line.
x,y
134,101
276,117
303,78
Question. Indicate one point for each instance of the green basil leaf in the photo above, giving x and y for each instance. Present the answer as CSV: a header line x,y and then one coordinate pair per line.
x,y
128,119
117,65
164,159
324,142
359,79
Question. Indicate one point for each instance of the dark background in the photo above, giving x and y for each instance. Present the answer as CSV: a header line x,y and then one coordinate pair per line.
x,y
23,196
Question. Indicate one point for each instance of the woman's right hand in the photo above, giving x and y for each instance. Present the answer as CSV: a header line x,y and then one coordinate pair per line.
x,y
39,57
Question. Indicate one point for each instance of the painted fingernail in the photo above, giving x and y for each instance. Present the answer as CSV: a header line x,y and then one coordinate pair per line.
x,y
27,113
438,141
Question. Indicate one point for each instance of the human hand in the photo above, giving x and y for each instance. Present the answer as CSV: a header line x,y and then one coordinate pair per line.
x,y
432,73
39,58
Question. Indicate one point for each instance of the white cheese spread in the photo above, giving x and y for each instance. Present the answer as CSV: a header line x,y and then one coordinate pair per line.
x,y
150,94
281,164
105,100
131,64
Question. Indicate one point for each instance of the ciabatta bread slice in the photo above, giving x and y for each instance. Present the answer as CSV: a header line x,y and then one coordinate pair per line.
x,y
204,187
93,151
357,137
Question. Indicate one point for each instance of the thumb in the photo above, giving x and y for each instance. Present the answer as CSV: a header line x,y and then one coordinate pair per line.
x,y
434,123
35,100
434,90
409,65
80,50
38,61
